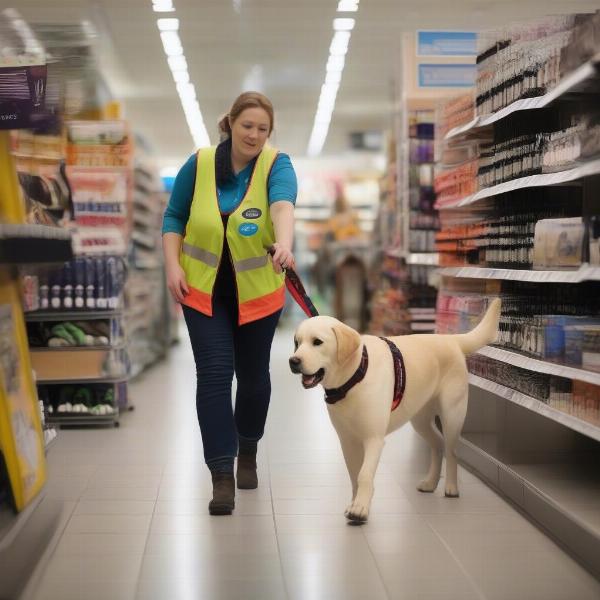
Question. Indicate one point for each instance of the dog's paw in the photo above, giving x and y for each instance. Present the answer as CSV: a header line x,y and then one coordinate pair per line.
x,y
452,491
357,512
427,487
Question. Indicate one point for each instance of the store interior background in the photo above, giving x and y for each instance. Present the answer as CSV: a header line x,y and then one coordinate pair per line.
x,y
353,248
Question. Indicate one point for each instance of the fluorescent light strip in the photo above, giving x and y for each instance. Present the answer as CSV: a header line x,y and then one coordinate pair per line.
x,y
173,48
348,6
163,6
170,24
335,65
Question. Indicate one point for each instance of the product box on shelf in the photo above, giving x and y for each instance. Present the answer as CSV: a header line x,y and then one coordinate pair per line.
x,y
22,90
99,144
558,243
21,438
79,365
82,283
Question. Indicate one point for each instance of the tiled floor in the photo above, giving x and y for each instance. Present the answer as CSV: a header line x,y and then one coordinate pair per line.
x,y
137,525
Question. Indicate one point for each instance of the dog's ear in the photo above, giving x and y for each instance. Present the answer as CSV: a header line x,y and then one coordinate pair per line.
x,y
348,342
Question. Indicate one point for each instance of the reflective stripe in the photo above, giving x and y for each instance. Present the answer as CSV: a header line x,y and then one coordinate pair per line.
x,y
248,264
258,308
208,258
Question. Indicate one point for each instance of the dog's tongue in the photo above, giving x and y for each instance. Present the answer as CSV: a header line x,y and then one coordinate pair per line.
x,y
309,380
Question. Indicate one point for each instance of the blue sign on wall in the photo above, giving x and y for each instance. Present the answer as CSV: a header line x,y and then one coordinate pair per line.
x,y
446,43
448,75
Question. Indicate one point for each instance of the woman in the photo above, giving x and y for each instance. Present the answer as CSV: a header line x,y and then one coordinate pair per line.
x,y
228,206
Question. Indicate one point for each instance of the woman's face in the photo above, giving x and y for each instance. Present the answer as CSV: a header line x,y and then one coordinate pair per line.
x,y
249,132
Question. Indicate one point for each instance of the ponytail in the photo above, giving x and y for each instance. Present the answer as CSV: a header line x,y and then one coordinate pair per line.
x,y
224,127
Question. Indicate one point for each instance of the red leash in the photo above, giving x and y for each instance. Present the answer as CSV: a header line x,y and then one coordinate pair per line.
x,y
296,289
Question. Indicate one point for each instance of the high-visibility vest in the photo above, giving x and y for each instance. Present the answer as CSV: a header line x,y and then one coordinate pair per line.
x,y
260,291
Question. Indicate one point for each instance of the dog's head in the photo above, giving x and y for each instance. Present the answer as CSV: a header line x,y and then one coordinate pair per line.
x,y
323,346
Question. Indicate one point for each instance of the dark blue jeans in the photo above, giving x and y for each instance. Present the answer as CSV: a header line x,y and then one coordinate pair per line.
x,y
222,347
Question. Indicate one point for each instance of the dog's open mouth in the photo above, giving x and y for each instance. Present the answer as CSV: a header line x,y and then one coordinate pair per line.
x,y
309,381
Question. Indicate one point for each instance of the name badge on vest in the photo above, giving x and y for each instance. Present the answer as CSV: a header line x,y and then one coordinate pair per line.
x,y
248,229
252,213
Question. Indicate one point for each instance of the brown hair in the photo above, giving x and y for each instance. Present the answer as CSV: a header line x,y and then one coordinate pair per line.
x,y
242,102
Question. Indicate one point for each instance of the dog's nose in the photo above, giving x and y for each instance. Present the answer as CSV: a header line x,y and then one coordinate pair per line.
x,y
295,363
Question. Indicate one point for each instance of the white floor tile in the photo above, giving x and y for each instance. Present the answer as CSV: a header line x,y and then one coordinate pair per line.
x,y
139,526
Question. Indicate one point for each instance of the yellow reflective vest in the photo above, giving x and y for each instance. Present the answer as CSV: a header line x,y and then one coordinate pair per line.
x,y
260,291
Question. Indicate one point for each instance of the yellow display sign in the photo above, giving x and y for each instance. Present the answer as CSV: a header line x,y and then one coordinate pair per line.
x,y
21,436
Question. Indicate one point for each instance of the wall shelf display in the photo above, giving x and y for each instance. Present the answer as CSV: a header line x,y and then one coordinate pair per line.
x,y
576,424
24,244
541,180
584,80
585,273
519,201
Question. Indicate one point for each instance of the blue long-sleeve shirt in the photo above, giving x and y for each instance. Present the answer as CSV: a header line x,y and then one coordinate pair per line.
x,y
282,185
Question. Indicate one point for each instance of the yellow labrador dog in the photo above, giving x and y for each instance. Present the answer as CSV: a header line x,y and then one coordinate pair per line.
x,y
363,374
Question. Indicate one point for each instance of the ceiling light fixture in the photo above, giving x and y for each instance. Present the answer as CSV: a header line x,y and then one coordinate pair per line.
x,y
168,24
338,49
177,63
343,24
163,6
173,48
171,43
348,6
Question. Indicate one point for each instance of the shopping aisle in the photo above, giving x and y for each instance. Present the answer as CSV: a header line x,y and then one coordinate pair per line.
x,y
136,522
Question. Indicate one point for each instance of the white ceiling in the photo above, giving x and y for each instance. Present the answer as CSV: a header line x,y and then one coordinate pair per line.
x,y
277,46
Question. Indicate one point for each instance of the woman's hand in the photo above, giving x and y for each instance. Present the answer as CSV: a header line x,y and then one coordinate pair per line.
x,y
176,282
282,258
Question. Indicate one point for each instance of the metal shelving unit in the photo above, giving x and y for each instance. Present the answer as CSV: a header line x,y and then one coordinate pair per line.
x,y
586,169
510,439
33,244
74,315
119,345
576,82
588,429
584,273
540,366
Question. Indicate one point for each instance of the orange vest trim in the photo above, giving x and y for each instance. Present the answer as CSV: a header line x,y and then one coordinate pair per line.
x,y
261,307
199,301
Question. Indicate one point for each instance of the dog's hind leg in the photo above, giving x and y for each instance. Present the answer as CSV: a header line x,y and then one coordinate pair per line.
x,y
452,414
424,426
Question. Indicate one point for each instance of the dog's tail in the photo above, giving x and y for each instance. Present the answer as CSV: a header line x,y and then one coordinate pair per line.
x,y
484,333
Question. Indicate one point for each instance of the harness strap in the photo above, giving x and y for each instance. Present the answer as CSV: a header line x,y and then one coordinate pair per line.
x,y
399,374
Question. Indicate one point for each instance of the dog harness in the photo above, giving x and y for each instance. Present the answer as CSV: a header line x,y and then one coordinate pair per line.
x,y
399,373
333,395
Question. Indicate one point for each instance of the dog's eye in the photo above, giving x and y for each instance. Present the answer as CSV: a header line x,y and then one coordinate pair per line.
x,y
295,344
317,342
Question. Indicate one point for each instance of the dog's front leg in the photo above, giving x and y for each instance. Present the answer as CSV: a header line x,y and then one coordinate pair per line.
x,y
353,456
359,509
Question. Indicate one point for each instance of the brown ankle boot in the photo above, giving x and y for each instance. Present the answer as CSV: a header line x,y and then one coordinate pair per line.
x,y
223,501
246,476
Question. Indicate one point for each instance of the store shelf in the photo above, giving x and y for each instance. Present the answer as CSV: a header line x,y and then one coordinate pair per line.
x,y
586,428
49,438
541,180
569,84
84,419
540,366
72,315
428,259
83,381
106,347
584,273
26,244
